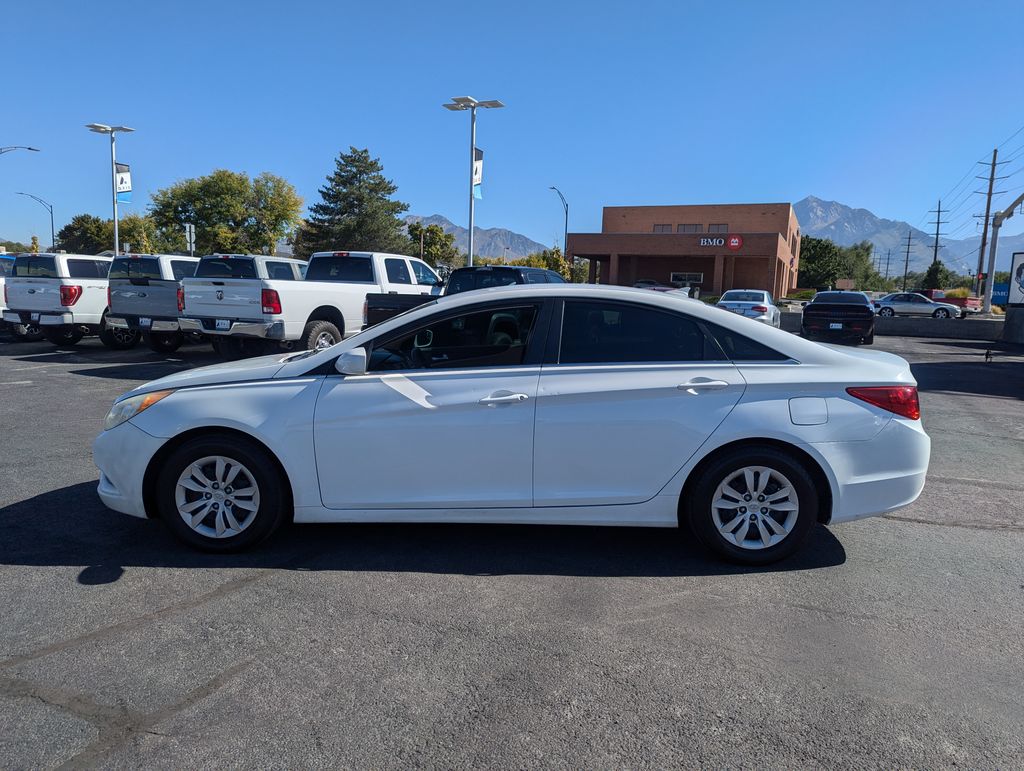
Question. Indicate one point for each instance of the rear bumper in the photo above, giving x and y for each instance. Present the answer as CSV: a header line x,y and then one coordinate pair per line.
x,y
270,330
50,318
132,322
855,328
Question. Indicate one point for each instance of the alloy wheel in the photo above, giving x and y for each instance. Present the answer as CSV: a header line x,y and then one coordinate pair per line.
x,y
324,340
217,497
755,507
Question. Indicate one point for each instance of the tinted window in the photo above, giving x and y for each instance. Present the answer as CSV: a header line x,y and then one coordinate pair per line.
x,y
601,332
89,269
6,267
743,297
280,271
492,338
226,267
35,266
465,280
535,277
555,278
740,348
424,275
841,298
137,267
182,269
355,270
398,271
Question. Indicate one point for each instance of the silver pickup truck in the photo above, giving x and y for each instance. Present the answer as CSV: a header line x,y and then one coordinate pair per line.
x,y
145,295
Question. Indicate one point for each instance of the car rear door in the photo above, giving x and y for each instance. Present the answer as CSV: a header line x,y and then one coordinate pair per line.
x,y
630,396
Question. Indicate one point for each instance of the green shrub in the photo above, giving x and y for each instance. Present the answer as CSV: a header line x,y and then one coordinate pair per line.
x,y
711,299
960,291
803,294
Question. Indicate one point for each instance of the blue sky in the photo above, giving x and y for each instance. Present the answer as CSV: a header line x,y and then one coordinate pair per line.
x,y
878,105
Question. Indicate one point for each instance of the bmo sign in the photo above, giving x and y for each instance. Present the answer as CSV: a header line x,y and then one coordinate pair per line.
x,y
733,243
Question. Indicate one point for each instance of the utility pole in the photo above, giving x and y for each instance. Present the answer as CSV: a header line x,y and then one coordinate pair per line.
x,y
906,263
937,222
984,228
887,253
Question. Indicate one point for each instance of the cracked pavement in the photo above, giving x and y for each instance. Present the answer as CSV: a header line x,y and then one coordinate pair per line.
x,y
891,641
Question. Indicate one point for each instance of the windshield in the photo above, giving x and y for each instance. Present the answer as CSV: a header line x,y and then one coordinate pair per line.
x,y
743,297
226,267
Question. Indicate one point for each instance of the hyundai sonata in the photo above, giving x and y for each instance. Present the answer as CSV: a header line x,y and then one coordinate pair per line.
x,y
549,404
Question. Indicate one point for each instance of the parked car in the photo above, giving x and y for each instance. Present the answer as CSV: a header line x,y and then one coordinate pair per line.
x,y
755,304
966,305
744,434
847,316
146,296
380,307
238,297
66,295
23,332
914,304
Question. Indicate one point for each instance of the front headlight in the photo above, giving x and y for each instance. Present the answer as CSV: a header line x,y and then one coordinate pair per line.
x,y
126,409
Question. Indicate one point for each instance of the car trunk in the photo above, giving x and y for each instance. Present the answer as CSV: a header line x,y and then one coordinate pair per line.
x,y
744,308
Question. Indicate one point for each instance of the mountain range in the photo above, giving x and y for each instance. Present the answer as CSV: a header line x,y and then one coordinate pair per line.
x,y
487,242
846,225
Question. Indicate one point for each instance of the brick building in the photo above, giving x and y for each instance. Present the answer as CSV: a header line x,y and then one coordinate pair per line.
x,y
716,246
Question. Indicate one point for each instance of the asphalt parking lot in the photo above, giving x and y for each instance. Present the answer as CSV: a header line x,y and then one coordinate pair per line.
x,y
892,641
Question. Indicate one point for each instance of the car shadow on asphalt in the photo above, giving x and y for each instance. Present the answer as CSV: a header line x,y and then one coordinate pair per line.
x,y
71,527
994,378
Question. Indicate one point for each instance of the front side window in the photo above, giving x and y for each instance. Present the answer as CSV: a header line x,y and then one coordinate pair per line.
x,y
182,269
424,275
398,271
90,269
491,338
469,279
595,332
34,266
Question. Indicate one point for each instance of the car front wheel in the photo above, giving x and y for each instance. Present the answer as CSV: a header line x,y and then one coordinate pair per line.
x,y
941,313
221,494
886,312
753,506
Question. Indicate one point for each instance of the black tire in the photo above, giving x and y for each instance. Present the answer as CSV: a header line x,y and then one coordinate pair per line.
x,y
233,348
65,335
28,333
699,513
118,338
274,498
886,312
163,342
318,333
869,339
941,313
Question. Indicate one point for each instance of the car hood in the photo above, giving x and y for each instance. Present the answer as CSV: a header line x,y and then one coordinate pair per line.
x,y
259,368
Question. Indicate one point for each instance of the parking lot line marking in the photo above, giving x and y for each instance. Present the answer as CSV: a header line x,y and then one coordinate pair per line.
x,y
17,382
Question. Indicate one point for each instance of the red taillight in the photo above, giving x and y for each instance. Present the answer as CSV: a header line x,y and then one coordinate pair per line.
x,y
760,308
181,299
901,400
271,301
69,294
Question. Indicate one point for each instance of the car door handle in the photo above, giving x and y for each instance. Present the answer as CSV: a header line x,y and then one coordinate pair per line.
x,y
501,398
702,384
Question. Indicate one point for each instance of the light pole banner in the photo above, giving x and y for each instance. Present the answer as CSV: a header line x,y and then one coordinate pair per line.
x,y
478,171
124,182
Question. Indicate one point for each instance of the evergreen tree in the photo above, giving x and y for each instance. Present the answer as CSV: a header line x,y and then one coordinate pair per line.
x,y
356,213
938,276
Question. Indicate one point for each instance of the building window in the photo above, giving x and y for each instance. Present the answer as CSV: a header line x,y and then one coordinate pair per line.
x,y
686,278
719,228
689,228
662,228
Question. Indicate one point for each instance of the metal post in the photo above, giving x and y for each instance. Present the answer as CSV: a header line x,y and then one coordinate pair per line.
x,y
988,211
472,165
113,188
997,222
53,238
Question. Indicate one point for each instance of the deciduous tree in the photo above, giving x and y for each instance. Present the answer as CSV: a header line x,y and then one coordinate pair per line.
x,y
438,247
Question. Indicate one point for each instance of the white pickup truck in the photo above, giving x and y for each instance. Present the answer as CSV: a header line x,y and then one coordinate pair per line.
x,y
66,295
234,297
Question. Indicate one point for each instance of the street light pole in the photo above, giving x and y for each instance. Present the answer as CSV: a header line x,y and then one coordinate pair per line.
x,y
459,103
18,147
565,235
53,238
102,128
997,222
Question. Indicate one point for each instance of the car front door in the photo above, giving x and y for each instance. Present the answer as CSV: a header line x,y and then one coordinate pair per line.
x,y
442,419
632,394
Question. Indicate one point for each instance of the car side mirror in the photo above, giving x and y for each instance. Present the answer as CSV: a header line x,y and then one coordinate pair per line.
x,y
352,362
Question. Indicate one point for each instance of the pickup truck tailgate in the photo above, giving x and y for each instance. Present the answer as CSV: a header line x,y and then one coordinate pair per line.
x,y
34,294
144,297
229,298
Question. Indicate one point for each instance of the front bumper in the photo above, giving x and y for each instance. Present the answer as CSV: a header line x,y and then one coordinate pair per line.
x,y
122,455
270,330
135,322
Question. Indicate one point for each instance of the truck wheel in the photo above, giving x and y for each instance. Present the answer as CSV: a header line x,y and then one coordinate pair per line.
x,y
28,333
869,339
68,335
232,348
119,339
163,342
319,335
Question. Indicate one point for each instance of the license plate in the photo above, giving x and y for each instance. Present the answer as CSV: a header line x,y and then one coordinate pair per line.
x,y
33,317
144,322
835,325
223,324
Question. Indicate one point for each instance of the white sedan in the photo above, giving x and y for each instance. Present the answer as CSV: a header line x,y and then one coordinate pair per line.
x,y
755,304
547,404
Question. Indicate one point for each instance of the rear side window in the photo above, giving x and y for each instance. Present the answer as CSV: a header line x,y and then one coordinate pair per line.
x,y
740,348
226,267
555,278
595,332
34,266
535,277
6,267
182,269
90,269
133,267
398,271
355,270
280,271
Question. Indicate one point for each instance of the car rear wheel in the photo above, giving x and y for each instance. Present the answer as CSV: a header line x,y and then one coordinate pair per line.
x,y
62,335
163,342
221,493
118,338
941,313
888,312
319,335
753,506
869,339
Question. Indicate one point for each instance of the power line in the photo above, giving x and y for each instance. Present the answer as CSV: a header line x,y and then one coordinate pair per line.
x,y
1015,133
